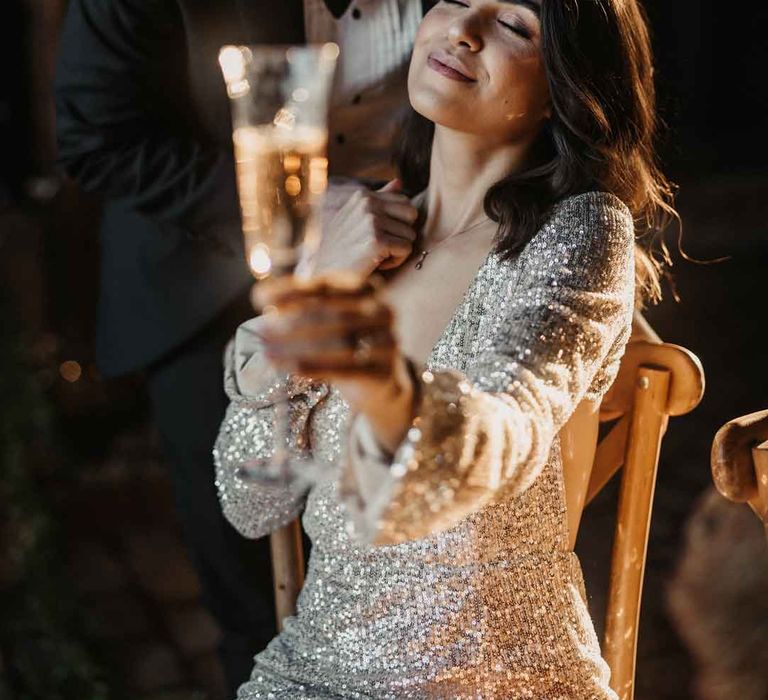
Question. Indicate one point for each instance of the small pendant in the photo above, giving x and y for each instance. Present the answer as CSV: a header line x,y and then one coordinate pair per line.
x,y
420,264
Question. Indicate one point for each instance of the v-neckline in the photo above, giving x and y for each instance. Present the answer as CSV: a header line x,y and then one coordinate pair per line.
x,y
469,292
431,357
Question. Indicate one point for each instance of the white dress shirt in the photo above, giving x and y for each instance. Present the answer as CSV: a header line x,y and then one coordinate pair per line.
x,y
369,94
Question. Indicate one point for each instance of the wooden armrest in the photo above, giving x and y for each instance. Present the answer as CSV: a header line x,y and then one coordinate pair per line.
x,y
685,391
733,468
614,406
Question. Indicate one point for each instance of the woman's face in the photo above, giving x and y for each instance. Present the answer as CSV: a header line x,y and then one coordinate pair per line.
x,y
477,68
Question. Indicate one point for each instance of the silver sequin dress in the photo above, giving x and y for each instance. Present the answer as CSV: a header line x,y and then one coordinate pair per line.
x,y
445,572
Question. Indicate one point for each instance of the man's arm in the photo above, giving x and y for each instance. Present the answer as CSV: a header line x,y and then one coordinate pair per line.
x,y
120,77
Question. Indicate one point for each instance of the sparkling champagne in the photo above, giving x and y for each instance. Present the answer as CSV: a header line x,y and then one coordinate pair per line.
x,y
281,174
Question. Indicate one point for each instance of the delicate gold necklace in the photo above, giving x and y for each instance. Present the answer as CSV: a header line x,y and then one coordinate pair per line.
x,y
426,251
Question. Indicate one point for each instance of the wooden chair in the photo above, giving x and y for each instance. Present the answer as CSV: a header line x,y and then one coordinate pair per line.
x,y
740,462
656,380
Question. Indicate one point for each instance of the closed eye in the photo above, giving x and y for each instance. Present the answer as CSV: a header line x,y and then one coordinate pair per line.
x,y
516,29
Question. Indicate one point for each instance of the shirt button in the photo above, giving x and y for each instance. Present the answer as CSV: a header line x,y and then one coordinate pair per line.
x,y
340,139
356,13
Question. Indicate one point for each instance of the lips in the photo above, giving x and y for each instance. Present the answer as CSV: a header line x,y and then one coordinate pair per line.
x,y
451,67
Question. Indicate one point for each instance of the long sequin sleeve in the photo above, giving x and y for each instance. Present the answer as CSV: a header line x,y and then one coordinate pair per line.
x,y
246,433
491,429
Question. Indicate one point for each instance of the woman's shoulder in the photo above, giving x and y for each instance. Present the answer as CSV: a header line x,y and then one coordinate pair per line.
x,y
595,209
594,198
592,221
584,235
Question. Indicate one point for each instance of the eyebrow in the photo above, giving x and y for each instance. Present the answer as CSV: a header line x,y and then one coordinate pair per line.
x,y
532,5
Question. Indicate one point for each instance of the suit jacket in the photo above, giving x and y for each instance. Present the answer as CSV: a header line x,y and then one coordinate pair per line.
x,y
143,119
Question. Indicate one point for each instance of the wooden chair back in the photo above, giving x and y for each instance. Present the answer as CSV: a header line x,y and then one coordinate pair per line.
x,y
740,462
579,439
656,380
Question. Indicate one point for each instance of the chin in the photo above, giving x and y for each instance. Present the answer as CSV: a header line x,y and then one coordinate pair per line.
x,y
443,108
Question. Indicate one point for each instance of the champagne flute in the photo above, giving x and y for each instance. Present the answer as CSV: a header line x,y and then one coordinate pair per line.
x,y
279,102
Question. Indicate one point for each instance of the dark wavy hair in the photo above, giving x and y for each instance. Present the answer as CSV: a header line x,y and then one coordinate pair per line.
x,y
601,136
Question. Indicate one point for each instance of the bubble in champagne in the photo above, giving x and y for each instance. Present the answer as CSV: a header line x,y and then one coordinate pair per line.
x,y
293,185
232,62
280,176
260,260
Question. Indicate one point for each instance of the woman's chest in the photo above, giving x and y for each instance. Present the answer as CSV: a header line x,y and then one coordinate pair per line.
x,y
426,299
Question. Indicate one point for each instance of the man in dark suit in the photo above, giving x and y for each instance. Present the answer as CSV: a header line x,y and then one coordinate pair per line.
x,y
143,119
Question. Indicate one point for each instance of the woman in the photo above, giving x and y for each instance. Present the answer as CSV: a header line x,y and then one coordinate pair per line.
x,y
440,564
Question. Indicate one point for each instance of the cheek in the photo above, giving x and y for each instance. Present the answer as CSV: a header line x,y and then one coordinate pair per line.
x,y
428,29
413,81
519,89
418,57
423,87
431,32
416,60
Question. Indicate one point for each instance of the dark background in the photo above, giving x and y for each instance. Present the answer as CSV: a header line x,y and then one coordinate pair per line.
x,y
106,497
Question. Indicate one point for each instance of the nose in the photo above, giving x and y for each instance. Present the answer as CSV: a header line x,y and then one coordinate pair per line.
x,y
465,32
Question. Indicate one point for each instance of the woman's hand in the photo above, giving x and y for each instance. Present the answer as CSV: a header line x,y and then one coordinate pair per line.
x,y
373,230
337,329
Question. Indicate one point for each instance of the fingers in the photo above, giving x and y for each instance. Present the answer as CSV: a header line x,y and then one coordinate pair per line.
x,y
396,228
394,237
301,313
321,325
388,201
392,262
288,289
393,246
339,374
332,355
397,207
391,251
316,332
346,352
392,186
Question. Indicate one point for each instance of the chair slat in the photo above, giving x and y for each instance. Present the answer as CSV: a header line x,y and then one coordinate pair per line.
x,y
287,569
634,516
609,457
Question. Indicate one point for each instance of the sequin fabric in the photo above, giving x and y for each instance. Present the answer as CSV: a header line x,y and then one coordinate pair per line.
x,y
468,589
